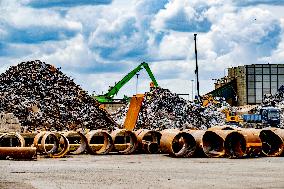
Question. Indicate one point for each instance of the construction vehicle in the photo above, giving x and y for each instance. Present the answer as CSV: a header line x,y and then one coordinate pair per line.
x,y
108,97
268,116
232,117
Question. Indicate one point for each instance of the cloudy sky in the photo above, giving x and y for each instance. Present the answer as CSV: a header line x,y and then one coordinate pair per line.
x,y
97,42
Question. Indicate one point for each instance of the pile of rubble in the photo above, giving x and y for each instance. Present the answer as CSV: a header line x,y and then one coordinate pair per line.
x,y
42,97
9,123
162,109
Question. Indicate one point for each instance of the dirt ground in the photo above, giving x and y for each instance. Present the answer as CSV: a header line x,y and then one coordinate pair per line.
x,y
142,171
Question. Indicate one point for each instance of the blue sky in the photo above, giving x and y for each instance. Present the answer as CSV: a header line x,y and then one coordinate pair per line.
x,y
96,42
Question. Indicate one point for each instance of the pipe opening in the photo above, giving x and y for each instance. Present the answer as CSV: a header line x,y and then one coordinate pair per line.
x,y
11,140
213,144
235,145
100,142
272,144
151,142
183,144
125,142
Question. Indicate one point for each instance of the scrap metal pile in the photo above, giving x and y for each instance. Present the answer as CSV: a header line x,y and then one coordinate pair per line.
x,y
42,97
162,109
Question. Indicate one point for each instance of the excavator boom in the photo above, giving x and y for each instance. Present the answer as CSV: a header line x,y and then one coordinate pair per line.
x,y
108,97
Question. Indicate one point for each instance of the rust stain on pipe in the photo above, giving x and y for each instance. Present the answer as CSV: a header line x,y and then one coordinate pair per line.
x,y
148,141
99,142
197,135
213,142
75,148
18,152
123,136
243,143
272,142
177,143
20,139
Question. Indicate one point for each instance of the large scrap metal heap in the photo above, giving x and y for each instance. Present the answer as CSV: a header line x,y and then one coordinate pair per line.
x,y
162,109
42,97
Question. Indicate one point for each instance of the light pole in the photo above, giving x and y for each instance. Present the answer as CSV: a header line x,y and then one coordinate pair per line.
x,y
137,75
192,88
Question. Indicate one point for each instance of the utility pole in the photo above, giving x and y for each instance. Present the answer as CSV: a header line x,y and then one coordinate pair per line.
x,y
196,70
192,88
137,75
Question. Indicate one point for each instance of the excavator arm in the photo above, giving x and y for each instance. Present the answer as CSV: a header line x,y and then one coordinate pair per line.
x,y
114,90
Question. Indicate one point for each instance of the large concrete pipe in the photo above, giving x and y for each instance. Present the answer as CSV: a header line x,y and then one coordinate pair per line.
x,y
197,135
177,143
77,141
272,142
213,142
243,143
99,142
148,141
125,142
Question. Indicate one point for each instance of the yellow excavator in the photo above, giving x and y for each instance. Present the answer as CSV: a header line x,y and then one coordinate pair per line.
x,y
232,117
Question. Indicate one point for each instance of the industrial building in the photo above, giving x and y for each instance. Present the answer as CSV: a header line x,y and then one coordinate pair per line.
x,y
248,84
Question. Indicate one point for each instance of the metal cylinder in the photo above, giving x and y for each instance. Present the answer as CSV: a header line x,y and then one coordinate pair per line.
x,y
148,141
18,152
243,143
99,142
177,143
223,127
75,138
213,142
197,135
123,136
272,142
20,140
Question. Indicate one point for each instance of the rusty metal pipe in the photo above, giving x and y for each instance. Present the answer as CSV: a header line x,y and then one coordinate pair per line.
x,y
213,142
272,143
20,139
148,141
76,149
177,143
197,135
123,136
243,143
223,127
99,142
18,152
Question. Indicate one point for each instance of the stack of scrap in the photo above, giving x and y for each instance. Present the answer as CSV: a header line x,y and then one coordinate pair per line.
x,y
42,97
162,109
9,123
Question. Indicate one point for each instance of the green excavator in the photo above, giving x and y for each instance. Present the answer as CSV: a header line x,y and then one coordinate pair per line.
x,y
108,97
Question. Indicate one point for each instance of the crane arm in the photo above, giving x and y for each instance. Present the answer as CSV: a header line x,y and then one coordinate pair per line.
x,y
147,68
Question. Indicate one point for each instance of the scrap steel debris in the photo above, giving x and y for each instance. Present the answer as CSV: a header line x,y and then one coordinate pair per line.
x,y
9,123
42,97
162,109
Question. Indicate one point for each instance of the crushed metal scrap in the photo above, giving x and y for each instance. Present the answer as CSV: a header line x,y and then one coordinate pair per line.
x,y
40,95
162,109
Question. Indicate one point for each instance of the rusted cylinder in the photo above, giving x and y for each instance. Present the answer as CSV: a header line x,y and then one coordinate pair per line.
x,y
76,137
197,135
58,148
213,142
272,142
224,127
148,141
243,143
177,143
18,152
19,138
123,136
99,142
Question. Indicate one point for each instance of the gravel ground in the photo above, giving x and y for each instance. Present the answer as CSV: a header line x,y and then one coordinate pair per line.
x,y
142,171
